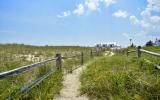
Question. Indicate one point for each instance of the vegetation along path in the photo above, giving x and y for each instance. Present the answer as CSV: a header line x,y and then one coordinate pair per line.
x,y
71,85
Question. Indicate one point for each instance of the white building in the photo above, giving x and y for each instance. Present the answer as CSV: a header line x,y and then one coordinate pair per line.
x,y
108,45
157,42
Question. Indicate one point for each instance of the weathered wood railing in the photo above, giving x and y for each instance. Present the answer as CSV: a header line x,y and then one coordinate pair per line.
x,y
58,59
24,68
139,54
140,51
151,53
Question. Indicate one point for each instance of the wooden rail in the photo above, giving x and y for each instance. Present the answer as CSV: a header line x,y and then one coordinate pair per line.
x,y
24,68
58,59
151,53
139,51
131,51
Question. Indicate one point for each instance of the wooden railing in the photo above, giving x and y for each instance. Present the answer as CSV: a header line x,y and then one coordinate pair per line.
x,y
24,68
151,53
139,54
140,51
58,63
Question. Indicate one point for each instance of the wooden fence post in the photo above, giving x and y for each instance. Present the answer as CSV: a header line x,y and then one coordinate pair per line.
x,y
91,54
58,61
139,51
97,52
127,53
123,51
82,58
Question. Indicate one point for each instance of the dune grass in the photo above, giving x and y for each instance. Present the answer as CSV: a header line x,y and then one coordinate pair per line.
x,y
11,56
46,90
149,57
11,86
121,78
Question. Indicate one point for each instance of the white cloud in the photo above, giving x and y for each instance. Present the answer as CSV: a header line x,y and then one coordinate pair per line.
x,y
64,14
109,2
146,13
120,13
79,10
145,24
87,5
155,19
154,5
92,5
134,20
149,24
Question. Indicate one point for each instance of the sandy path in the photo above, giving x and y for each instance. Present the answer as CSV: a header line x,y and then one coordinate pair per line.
x,y
109,53
72,84
71,87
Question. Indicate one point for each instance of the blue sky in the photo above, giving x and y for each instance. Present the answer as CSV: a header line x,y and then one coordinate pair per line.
x,y
79,22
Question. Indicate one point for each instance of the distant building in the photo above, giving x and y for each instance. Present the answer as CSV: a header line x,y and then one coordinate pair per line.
x,y
157,42
112,45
